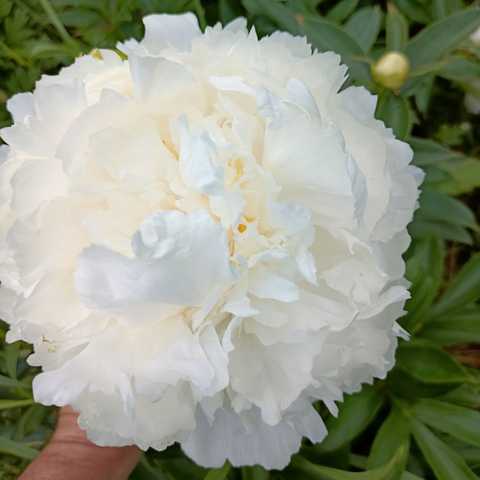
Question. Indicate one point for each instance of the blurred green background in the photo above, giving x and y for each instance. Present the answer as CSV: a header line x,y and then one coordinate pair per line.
x,y
422,422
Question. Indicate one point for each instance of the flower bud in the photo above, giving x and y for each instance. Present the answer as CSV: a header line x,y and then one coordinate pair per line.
x,y
391,70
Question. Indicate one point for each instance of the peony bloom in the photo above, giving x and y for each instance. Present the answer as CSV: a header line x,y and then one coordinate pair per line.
x,y
203,240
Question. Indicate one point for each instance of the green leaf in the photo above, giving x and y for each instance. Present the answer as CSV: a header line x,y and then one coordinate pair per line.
x,y
445,462
465,395
364,26
80,18
464,176
17,449
414,10
276,11
341,10
410,476
423,93
425,267
405,386
428,152
218,473
356,413
228,10
437,39
30,421
464,289
6,382
460,69
5,8
395,112
440,207
145,471
255,473
12,352
444,8
422,228
461,174
429,364
460,422
7,404
396,29
326,36
318,472
455,327
393,434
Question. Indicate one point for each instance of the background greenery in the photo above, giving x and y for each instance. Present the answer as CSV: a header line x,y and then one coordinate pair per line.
x,y
423,421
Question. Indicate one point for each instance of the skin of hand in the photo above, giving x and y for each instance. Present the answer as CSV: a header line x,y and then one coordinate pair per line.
x,y
70,455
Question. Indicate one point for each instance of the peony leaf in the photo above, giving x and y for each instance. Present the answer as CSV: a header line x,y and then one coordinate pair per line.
x,y
465,395
460,422
7,404
319,472
464,289
30,421
396,29
425,267
341,10
327,36
429,364
17,449
276,11
414,10
422,228
457,327
228,10
437,39
356,413
445,462
438,206
427,152
6,382
218,473
144,471
443,8
410,476
364,26
12,352
460,69
255,473
393,434
395,112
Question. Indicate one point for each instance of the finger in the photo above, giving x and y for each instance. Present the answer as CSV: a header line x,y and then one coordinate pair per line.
x,y
71,455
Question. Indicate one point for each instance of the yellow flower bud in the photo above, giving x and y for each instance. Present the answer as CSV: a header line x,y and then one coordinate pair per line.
x,y
391,70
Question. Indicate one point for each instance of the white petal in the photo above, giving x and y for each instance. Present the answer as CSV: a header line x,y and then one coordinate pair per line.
x,y
21,106
263,375
265,284
247,440
180,259
163,31
197,161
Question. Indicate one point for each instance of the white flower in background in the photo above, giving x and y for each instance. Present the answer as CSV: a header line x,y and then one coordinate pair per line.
x,y
472,96
475,37
472,90
203,240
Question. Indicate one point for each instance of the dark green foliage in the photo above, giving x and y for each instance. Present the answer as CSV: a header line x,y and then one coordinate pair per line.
x,y
422,421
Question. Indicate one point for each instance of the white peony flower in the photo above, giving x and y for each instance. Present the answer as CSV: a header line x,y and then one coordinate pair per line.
x,y
203,240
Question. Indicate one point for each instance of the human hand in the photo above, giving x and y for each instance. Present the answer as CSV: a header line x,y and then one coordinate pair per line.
x,y
69,454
